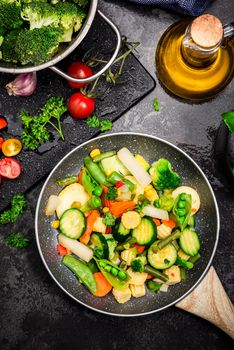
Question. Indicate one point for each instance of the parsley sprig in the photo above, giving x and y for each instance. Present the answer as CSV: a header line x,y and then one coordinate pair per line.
x,y
18,205
35,130
111,194
95,122
17,240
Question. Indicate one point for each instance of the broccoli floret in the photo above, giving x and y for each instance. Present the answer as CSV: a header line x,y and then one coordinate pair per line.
x,y
166,201
40,15
10,14
38,45
163,176
137,264
70,18
8,46
81,3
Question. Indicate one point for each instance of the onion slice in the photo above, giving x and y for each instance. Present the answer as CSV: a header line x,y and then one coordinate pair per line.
x,y
134,167
51,205
77,248
153,212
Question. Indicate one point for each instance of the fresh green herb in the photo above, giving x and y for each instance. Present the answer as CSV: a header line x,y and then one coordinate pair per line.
x,y
35,130
228,118
95,122
166,261
137,264
17,240
18,205
156,106
142,202
109,219
106,125
111,194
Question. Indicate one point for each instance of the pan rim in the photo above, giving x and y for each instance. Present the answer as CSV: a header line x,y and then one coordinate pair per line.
x,y
215,243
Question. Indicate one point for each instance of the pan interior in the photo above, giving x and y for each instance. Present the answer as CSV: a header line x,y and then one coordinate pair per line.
x,y
152,149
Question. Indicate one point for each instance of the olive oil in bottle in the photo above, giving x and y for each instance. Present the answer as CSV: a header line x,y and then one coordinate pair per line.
x,y
195,61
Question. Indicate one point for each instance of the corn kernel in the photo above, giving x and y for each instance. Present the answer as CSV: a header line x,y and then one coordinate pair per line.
x,y
150,193
142,161
55,224
105,210
95,152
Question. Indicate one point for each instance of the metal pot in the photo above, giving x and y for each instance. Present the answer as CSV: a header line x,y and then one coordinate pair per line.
x,y
8,67
207,300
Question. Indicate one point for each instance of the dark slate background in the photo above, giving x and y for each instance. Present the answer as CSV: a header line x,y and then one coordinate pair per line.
x,y
36,314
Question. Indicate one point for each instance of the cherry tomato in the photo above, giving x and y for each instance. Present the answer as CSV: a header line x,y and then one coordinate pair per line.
x,y
3,123
11,147
80,106
79,70
9,168
1,142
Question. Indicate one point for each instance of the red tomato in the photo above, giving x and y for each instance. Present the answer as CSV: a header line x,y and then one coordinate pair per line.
x,y
1,142
80,106
79,70
9,168
3,123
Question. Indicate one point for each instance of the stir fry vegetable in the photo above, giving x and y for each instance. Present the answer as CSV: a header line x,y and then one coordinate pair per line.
x,y
124,225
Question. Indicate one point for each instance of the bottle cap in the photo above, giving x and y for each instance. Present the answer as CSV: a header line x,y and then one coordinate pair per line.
x,y
206,31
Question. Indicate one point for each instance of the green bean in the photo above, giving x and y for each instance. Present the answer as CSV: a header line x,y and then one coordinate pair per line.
x,y
66,181
96,172
182,274
103,156
156,273
116,177
195,258
184,263
164,242
126,244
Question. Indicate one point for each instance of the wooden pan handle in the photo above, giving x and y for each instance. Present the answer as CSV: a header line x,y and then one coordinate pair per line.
x,y
210,301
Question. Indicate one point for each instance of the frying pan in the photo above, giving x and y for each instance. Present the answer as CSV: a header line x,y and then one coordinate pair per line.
x,y
207,299
65,49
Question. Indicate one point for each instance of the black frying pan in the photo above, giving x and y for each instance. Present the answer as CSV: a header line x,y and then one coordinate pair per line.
x,y
151,148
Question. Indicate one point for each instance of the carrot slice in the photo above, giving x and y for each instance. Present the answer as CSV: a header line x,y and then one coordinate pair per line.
x,y
118,208
171,223
62,250
156,221
103,286
149,276
90,220
79,177
140,248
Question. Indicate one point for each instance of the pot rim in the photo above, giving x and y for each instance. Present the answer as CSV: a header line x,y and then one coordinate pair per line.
x,y
80,36
203,274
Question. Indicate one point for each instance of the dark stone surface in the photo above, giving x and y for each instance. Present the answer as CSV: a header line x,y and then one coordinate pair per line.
x,y
112,103
36,314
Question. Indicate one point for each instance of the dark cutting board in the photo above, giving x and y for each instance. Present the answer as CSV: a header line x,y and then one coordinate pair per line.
x,y
136,83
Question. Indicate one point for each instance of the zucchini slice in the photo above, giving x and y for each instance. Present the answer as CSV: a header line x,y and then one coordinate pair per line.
x,y
72,223
189,242
100,246
164,258
120,233
145,233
